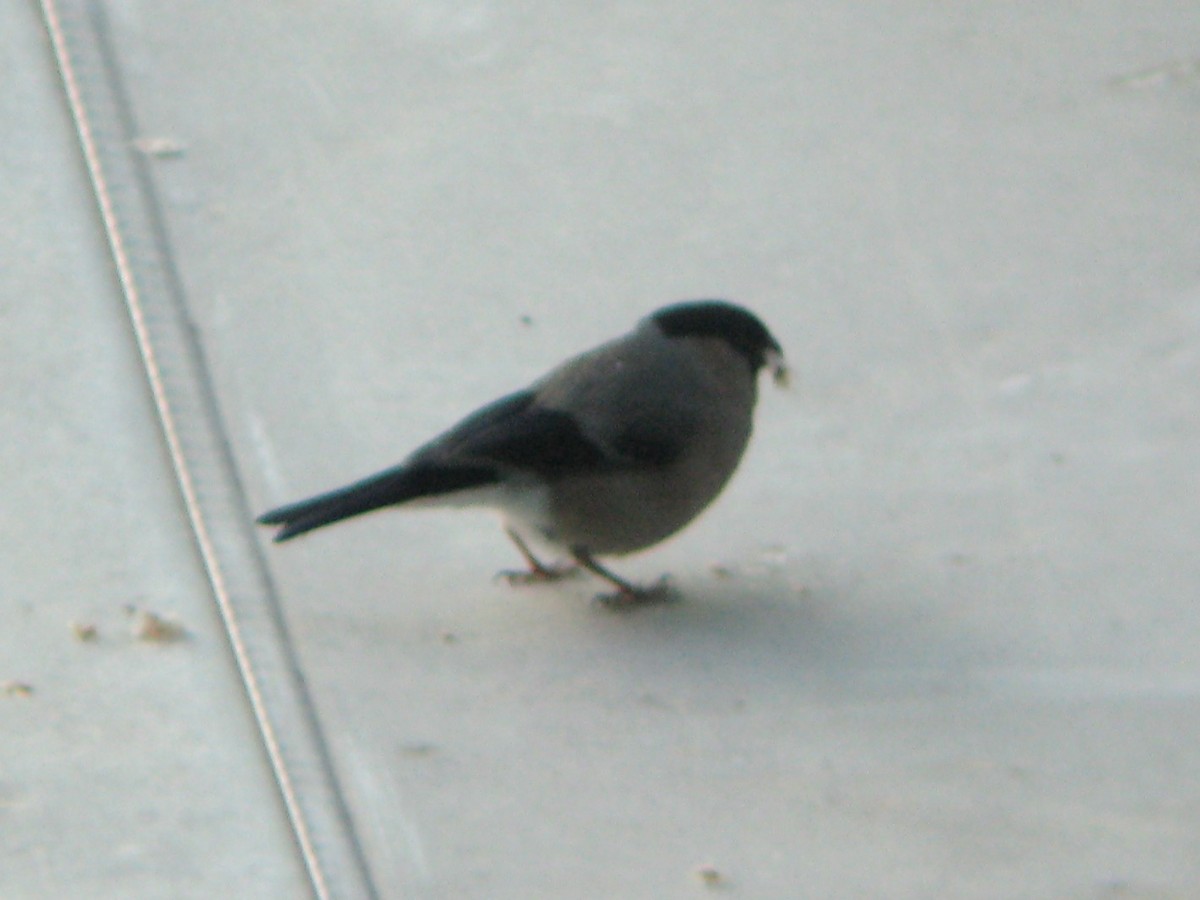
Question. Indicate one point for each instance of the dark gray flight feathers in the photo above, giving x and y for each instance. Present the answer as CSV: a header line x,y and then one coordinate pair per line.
x,y
511,433
661,415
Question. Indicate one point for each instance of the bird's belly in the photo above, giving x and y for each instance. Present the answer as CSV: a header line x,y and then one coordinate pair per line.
x,y
608,516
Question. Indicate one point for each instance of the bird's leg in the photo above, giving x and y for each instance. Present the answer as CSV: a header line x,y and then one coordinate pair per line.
x,y
627,594
538,572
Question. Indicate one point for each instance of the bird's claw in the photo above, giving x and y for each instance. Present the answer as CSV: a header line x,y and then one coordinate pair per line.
x,y
632,597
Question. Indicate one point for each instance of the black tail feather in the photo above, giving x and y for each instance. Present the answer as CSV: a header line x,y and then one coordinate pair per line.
x,y
388,488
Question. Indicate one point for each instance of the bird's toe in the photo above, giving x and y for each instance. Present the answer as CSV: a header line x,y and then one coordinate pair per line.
x,y
635,596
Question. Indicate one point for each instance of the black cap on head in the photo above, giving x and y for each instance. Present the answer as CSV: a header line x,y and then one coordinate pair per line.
x,y
739,327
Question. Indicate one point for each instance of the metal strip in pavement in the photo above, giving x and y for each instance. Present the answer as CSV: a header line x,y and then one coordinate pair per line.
x,y
203,463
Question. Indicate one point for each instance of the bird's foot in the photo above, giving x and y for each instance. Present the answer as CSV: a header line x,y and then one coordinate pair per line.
x,y
539,574
631,596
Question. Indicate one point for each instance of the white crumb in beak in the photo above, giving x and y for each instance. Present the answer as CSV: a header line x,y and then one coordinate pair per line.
x,y
780,373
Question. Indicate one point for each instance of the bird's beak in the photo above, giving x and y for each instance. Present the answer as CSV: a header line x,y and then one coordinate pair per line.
x,y
780,373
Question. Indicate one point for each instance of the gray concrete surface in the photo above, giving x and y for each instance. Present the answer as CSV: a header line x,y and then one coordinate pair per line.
x,y
940,638
129,768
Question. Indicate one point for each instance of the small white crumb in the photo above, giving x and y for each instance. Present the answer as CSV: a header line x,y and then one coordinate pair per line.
x,y
83,631
152,628
160,147
16,688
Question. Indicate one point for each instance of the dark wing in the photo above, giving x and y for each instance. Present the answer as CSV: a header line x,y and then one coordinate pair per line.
x,y
516,432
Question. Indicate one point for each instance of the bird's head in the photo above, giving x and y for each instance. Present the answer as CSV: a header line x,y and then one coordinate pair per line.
x,y
738,327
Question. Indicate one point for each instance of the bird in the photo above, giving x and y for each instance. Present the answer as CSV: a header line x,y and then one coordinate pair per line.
x,y
609,453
